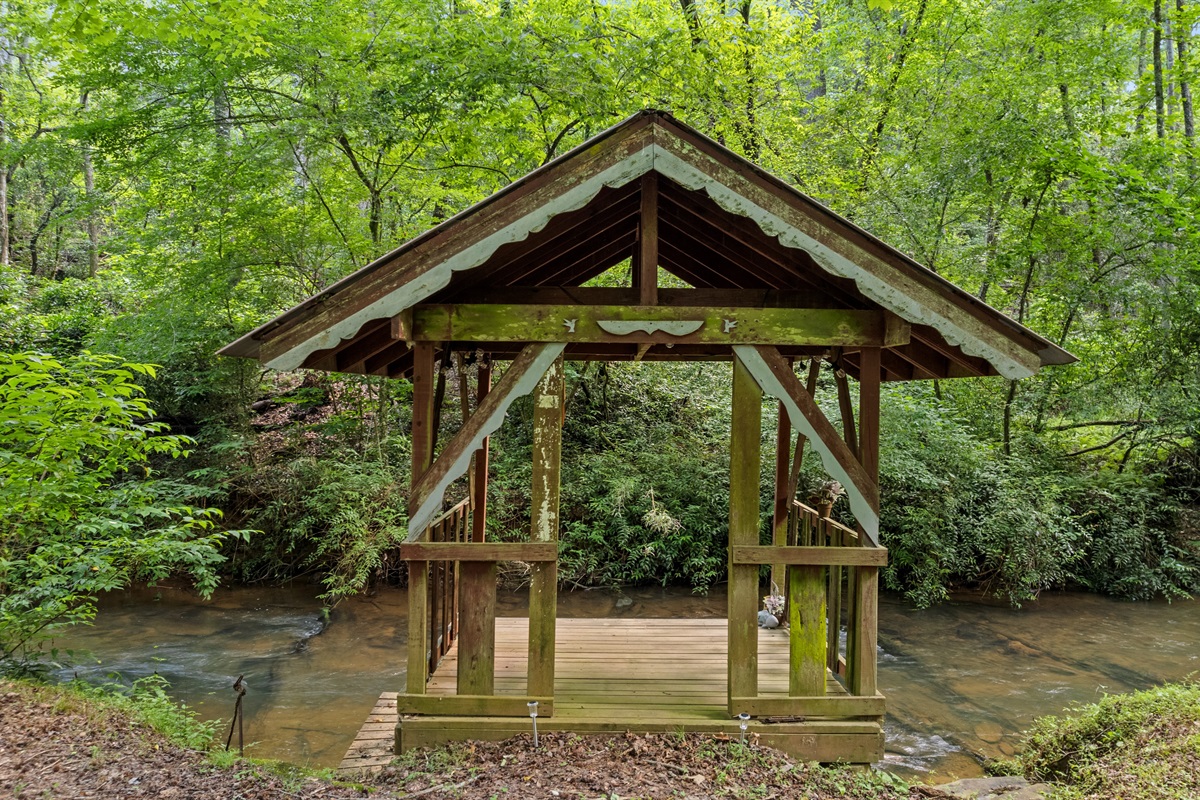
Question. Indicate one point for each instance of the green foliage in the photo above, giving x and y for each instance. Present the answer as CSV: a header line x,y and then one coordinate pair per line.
x,y
645,475
83,513
957,511
244,159
148,702
1137,747
328,492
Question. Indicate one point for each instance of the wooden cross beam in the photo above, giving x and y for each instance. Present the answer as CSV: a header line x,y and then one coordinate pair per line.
x,y
820,327
776,378
425,500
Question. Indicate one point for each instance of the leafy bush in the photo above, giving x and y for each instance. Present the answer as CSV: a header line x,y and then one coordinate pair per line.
x,y
83,511
956,510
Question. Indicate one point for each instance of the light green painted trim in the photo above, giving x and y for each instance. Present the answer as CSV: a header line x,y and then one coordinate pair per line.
x,y
620,327
1009,359
437,278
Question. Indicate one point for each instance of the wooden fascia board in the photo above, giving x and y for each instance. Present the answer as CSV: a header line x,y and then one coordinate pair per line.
x,y
880,273
425,499
776,379
657,325
428,267
897,290
1048,352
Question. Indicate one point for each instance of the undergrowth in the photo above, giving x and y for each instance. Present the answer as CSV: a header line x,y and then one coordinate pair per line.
x,y
1140,746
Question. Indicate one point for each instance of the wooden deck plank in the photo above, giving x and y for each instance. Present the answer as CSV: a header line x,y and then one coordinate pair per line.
x,y
618,675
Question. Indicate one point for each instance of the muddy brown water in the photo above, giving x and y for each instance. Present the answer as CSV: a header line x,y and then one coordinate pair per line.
x,y
962,680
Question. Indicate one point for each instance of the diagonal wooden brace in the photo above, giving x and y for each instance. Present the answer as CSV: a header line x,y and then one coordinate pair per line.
x,y
522,376
776,378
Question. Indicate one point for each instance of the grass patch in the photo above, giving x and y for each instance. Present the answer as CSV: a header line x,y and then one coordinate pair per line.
x,y
1140,746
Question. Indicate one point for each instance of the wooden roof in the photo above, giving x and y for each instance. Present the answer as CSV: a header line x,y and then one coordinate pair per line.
x,y
735,234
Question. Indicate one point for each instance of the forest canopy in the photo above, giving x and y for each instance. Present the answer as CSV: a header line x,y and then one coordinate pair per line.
x,y
174,174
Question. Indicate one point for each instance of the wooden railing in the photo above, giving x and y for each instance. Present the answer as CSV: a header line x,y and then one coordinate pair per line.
x,y
453,526
831,572
461,568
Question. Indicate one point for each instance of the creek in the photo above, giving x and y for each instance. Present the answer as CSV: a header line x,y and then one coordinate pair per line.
x,y
962,679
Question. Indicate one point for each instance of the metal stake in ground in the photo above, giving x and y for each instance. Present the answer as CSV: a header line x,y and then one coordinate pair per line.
x,y
533,706
240,686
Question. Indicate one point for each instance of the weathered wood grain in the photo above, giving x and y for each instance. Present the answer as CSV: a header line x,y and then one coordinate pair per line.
x,y
493,322
744,467
810,556
548,408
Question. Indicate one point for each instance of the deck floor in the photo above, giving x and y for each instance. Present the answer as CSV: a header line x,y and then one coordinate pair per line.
x,y
610,674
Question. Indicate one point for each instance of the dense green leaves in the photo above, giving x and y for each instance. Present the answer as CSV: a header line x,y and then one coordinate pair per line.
x,y
245,155
82,514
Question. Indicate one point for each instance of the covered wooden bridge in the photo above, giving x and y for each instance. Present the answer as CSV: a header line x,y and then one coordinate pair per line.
x,y
724,263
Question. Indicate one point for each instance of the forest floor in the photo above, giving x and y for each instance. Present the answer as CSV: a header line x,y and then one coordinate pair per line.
x,y
55,743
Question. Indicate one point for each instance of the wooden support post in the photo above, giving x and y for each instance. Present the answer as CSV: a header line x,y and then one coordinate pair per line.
x,y
646,276
834,603
418,626
863,669
868,409
480,483
783,500
744,466
422,420
477,628
418,571
548,402
807,629
847,409
865,619
814,372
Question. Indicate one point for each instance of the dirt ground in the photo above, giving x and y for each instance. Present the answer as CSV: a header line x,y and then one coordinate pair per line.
x,y
55,745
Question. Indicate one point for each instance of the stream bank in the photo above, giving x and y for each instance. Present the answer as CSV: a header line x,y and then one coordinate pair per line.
x,y
962,679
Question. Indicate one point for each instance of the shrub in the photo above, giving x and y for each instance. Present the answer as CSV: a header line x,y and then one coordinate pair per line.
x,y
83,511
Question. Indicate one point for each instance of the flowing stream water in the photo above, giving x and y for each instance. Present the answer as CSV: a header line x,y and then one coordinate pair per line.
x,y
962,679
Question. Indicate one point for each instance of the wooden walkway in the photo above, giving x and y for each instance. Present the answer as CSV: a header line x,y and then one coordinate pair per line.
x,y
618,675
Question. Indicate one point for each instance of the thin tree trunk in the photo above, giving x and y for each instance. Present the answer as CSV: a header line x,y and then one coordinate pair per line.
x,y
1141,70
750,134
89,192
1183,33
4,246
908,37
1169,65
1160,116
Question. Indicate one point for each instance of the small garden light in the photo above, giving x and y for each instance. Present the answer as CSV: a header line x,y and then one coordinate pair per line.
x,y
533,716
744,722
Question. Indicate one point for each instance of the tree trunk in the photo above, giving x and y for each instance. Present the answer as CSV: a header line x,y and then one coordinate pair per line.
x,y
1160,116
750,132
4,251
89,192
1185,87
1140,119
1168,66
908,37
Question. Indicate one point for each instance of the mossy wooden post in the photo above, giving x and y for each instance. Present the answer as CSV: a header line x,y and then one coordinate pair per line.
x,y
477,616
807,630
744,466
418,571
543,586
863,671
